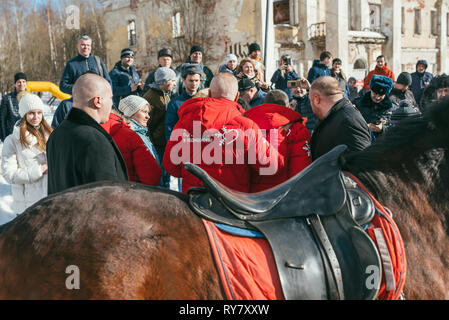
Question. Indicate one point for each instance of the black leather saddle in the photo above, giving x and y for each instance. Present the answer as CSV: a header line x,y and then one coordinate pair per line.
x,y
312,223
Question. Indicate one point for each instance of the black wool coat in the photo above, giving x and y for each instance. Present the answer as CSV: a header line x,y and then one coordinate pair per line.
x,y
343,124
80,151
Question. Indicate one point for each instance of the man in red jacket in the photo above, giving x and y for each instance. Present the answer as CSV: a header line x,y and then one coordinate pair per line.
x,y
381,69
293,138
213,134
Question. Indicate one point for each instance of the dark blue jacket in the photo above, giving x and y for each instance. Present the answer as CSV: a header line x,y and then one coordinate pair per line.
x,y
122,79
280,82
373,112
76,67
417,86
318,70
171,115
61,112
304,108
9,114
258,99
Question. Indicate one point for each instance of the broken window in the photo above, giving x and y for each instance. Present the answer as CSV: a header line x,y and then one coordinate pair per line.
x,y
281,12
176,23
132,41
433,23
374,17
417,21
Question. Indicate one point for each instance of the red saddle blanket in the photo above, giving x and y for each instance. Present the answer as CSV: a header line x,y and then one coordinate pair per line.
x,y
248,270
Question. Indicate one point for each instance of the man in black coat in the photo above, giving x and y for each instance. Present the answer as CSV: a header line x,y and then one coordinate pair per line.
x,y
338,121
80,151
9,108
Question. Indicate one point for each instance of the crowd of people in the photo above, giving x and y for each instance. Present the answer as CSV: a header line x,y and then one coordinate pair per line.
x,y
245,132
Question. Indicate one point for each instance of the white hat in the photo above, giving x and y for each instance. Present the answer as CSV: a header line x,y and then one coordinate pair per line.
x,y
231,57
131,104
30,102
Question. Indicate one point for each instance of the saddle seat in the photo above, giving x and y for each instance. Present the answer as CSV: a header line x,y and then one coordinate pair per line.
x,y
312,223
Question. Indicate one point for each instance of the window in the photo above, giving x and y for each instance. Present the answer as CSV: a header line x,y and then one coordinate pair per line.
x,y
417,21
281,12
374,17
447,24
176,23
132,33
403,20
433,23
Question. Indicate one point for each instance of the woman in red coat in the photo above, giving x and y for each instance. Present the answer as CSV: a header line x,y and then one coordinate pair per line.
x,y
293,138
141,165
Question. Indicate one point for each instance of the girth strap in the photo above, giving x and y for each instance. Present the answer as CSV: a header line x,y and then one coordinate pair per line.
x,y
335,280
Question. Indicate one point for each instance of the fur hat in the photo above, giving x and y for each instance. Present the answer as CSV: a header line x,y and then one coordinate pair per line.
x,y
19,75
381,84
30,102
131,104
191,68
164,74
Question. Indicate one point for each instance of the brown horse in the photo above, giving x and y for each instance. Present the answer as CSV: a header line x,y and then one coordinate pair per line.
x,y
129,241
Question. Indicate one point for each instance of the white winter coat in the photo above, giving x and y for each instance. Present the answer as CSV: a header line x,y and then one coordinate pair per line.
x,y
21,167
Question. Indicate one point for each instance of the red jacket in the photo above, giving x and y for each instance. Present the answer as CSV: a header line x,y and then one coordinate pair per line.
x,y
293,142
141,165
224,143
384,71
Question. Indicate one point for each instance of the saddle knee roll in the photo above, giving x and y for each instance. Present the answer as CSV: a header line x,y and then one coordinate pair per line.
x,y
361,206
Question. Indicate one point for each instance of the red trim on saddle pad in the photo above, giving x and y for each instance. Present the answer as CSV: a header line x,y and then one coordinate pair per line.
x,y
246,266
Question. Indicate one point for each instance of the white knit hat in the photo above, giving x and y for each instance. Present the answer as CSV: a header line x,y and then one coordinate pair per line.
x,y
131,104
30,102
231,57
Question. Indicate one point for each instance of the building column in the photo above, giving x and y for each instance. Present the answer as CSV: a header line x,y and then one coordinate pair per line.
x,y
391,27
337,30
442,40
268,37
307,18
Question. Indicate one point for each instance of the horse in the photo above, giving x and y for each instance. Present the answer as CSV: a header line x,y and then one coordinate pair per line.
x,y
130,241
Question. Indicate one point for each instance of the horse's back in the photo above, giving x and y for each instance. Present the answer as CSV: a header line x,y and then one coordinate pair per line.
x,y
124,240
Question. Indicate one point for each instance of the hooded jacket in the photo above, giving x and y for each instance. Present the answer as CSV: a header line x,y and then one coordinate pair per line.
x,y
122,79
21,167
292,140
420,81
141,165
214,134
384,71
318,70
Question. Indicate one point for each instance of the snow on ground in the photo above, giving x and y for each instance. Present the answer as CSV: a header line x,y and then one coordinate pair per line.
x,y
6,212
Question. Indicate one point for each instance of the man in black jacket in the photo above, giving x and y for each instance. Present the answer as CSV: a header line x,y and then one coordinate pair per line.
x,y
338,121
9,109
80,151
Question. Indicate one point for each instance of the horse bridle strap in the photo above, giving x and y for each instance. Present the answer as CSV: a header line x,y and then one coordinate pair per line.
x,y
336,290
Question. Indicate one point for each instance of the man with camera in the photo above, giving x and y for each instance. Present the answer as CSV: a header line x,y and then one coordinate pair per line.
x,y
124,77
284,74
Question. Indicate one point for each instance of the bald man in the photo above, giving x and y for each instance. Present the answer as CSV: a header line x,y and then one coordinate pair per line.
x,y
339,122
213,134
80,151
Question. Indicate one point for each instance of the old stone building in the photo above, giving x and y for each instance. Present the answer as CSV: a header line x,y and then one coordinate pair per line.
x,y
357,31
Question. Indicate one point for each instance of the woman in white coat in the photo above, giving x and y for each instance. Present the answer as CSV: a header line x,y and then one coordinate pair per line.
x,y
24,160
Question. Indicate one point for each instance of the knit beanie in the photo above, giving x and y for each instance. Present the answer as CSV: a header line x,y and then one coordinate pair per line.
x,y
196,49
404,78
19,75
131,104
30,102
164,74
230,57
253,47
127,52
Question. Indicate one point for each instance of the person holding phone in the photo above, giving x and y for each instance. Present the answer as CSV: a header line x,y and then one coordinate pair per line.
x,y
284,74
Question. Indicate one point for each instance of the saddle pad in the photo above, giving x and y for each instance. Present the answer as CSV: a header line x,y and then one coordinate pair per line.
x,y
246,265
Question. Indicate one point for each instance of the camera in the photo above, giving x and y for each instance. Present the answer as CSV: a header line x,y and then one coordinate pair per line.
x,y
287,61
293,84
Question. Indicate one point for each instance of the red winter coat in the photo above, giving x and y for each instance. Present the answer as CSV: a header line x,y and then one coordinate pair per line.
x,y
141,165
224,143
293,142
384,71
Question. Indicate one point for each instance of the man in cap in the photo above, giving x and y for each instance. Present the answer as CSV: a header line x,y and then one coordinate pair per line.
x,y
191,78
338,121
124,77
83,62
421,79
401,90
250,93
375,106
9,108
196,56
164,59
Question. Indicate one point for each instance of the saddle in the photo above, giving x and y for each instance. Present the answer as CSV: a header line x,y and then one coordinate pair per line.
x,y
312,223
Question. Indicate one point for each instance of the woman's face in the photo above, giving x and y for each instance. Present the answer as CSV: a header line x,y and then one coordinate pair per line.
x,y
142,116
34,117
248,68
337,66
232,65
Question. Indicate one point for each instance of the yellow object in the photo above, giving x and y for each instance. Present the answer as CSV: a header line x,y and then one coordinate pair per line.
x,y
47,86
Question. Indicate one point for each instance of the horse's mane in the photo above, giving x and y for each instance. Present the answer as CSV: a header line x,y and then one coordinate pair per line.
x,y
404,142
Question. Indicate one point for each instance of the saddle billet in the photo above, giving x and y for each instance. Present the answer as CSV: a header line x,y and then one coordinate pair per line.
x,y
321,252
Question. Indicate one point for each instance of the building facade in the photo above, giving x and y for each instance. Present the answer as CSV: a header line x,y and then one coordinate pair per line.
x,y
356,31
